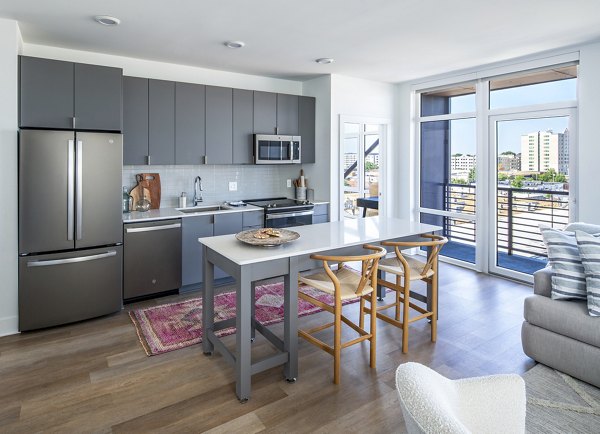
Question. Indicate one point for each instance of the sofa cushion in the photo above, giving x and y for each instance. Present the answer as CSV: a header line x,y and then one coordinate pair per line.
x,y
567,318
589,250
568,281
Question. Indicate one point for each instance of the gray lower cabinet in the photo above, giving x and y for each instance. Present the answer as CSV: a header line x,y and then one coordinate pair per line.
x,y
265,113
243,119
253,218
306,127
321,213
161,122
287,114
135,121
152,258
192,263
219,125
190,104
225,224
98,98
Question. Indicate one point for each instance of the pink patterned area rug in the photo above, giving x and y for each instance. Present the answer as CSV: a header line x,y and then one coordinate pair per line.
x,y
178,325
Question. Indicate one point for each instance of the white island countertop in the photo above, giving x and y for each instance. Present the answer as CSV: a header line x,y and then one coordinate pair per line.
x,y
319,238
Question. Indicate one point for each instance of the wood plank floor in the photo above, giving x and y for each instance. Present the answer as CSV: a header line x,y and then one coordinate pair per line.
x,y
95,377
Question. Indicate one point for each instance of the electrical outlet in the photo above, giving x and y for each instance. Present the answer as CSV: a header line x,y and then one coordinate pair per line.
x,y
289,183
232,186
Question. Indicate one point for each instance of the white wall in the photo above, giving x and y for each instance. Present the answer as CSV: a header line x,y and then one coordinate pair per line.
x,y
10,41
318,174
167,71
363,98
589,147
405,162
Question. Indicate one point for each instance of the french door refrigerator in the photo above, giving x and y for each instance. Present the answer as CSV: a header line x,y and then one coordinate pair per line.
x,y
70,226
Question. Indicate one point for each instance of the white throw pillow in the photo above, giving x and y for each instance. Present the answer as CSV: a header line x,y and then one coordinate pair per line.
x,y
568,278
589,251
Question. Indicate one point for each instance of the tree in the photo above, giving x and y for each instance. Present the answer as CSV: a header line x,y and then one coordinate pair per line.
x,y
517,182
502,177
508,153
472,176
370,166
458,181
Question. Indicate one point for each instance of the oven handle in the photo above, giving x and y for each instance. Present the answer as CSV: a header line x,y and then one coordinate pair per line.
x,y
281,215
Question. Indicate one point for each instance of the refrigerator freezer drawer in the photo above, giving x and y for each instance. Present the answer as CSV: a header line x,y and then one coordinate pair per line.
x,y
62,288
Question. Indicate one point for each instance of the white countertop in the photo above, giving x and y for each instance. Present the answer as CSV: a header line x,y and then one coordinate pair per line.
x,y
318,238
173,213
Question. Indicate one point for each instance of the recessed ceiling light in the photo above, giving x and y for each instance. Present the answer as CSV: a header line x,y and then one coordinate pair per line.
x,y
107,20
325,60
235,44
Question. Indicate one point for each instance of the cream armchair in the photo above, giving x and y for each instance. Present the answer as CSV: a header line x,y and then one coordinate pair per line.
x,y
432,403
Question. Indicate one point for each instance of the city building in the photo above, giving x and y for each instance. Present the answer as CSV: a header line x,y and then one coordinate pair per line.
x,y
544,150
462,162
509,162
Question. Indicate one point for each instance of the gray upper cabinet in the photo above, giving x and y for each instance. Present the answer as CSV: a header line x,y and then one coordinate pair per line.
x,y
190,104
64,95
306,127
98,98
161,122
46,93
287,114
243,119
135,121
265,113
219,125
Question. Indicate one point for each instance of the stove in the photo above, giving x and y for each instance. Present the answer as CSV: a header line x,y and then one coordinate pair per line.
x,y
281,212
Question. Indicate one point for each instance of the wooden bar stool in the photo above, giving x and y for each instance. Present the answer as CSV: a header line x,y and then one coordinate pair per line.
x,y
407,269
344,284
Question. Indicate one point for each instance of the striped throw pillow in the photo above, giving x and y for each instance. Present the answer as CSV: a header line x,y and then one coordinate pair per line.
x,y
589,250
568,279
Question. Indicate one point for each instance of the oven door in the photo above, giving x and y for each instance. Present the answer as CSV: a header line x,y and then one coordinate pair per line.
x,y
289,219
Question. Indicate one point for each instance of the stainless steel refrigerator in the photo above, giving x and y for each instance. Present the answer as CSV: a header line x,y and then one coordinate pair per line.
x,y
70,226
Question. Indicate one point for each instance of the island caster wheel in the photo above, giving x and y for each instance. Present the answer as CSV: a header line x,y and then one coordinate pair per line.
x,y
252,339
208,353
290,380
379,298
244,400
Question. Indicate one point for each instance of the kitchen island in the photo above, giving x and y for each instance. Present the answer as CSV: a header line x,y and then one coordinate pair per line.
x,y
249,264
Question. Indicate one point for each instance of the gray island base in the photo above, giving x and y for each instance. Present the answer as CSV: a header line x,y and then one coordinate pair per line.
x,y
250,264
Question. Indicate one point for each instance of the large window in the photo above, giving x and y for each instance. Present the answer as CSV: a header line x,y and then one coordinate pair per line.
x,y
496,160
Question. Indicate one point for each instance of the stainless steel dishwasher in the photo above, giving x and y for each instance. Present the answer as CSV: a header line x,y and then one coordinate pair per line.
x,y
152,258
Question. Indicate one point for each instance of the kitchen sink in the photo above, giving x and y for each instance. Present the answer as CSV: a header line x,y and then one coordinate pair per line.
x,y
201,209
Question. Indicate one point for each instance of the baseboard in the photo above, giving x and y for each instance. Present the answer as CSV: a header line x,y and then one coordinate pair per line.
x,y
9,325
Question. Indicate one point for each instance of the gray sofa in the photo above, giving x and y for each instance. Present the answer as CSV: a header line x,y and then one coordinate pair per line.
x,y
560,333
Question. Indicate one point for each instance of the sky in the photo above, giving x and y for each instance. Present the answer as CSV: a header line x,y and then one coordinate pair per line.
x,y
463,131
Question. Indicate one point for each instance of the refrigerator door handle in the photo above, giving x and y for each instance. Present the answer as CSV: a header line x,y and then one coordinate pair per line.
x,y
79,189
51,262
70,190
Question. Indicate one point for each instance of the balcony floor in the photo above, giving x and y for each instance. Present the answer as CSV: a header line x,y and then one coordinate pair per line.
x,y
466,252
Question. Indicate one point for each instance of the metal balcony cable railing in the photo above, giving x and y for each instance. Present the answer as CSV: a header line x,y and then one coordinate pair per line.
x,y
519,213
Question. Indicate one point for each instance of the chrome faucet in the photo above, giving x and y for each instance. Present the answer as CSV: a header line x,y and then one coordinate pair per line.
x,y
198,190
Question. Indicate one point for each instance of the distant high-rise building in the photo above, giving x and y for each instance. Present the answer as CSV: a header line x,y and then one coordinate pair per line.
x,y
544,150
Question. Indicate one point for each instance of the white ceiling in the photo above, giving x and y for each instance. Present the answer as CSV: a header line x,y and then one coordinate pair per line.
x,y
386,40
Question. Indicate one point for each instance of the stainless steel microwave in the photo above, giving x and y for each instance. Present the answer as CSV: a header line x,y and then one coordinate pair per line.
x,y
277,149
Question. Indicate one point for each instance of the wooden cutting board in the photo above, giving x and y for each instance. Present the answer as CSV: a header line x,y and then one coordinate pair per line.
x,y
150,181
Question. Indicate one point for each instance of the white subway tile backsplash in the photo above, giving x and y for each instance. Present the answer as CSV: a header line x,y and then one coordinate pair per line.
x,y
252,181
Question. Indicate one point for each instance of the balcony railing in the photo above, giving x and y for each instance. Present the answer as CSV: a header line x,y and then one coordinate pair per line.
x,y
519,213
